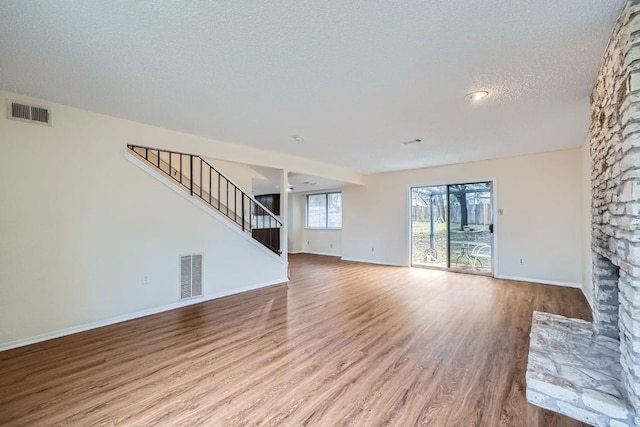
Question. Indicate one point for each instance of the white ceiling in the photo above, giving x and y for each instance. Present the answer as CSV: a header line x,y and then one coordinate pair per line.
x,y
354,78
298,182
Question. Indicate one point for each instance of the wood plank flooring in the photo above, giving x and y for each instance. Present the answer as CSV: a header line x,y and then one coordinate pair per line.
x,y
345,344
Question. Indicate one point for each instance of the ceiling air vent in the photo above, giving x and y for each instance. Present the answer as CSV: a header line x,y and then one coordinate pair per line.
x,y
190,276
29,113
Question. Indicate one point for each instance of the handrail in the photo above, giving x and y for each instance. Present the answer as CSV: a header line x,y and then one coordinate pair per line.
x,y
268,235
204,159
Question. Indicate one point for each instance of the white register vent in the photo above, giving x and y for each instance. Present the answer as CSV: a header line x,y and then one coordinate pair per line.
x,y
190,276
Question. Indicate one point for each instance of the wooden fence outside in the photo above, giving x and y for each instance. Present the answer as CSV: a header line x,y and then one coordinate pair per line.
x,y
479,214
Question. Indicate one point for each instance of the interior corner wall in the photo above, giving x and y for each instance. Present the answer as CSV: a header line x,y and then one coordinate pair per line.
x,y
295,224
587,281
302,239
540,194
80,226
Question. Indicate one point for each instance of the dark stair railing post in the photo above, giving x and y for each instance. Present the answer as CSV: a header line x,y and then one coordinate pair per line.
x,y
191,175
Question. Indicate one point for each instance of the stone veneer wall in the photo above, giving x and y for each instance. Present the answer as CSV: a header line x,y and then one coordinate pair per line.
x,y
615,184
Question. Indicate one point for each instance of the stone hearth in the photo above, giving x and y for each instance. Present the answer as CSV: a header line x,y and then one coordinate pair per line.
x,y
576,372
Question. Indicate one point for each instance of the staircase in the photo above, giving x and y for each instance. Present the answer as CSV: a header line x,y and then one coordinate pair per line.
x,y
201,180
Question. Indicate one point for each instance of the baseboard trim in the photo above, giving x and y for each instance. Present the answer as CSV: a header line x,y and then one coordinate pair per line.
x,y
314,253
541,281
588,298
142,313
373,262
320,253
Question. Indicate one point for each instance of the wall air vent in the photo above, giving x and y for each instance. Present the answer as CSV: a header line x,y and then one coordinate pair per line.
x,y
28,113
20,111
39,114
190,276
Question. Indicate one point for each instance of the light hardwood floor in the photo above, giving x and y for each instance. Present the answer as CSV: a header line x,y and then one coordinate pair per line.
x,y
345,344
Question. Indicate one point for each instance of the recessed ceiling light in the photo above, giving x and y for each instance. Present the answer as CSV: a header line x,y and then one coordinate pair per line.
x,y
477,95
297,138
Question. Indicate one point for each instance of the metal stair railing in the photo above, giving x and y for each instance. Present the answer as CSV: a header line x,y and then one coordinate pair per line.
x,y
202,180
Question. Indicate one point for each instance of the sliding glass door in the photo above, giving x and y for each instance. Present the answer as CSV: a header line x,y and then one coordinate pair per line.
x,y
429,225
452,227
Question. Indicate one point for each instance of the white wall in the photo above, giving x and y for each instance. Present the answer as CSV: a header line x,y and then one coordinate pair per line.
x,y
295,223
541,196
242,175
322,242
80,225
587,281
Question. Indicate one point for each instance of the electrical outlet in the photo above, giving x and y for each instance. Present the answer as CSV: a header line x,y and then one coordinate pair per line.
x,y
331,245
307,242
373,249
145,279
500,211
521,262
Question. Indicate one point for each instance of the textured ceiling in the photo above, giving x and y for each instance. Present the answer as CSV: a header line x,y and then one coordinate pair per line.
x,y
298,182
354,78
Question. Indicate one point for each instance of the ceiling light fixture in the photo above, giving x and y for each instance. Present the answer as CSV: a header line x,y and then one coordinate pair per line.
x,y
476,96
297,138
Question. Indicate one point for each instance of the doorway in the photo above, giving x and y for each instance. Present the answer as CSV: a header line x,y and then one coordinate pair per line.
x,y
452,227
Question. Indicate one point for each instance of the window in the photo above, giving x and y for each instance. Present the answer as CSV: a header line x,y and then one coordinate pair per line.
x,y
324,210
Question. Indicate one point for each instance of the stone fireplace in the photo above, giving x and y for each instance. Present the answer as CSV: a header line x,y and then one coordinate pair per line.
x,y
606,276
591,372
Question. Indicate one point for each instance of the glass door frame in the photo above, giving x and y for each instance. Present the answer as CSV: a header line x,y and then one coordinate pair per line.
x,y
441,190
493,235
